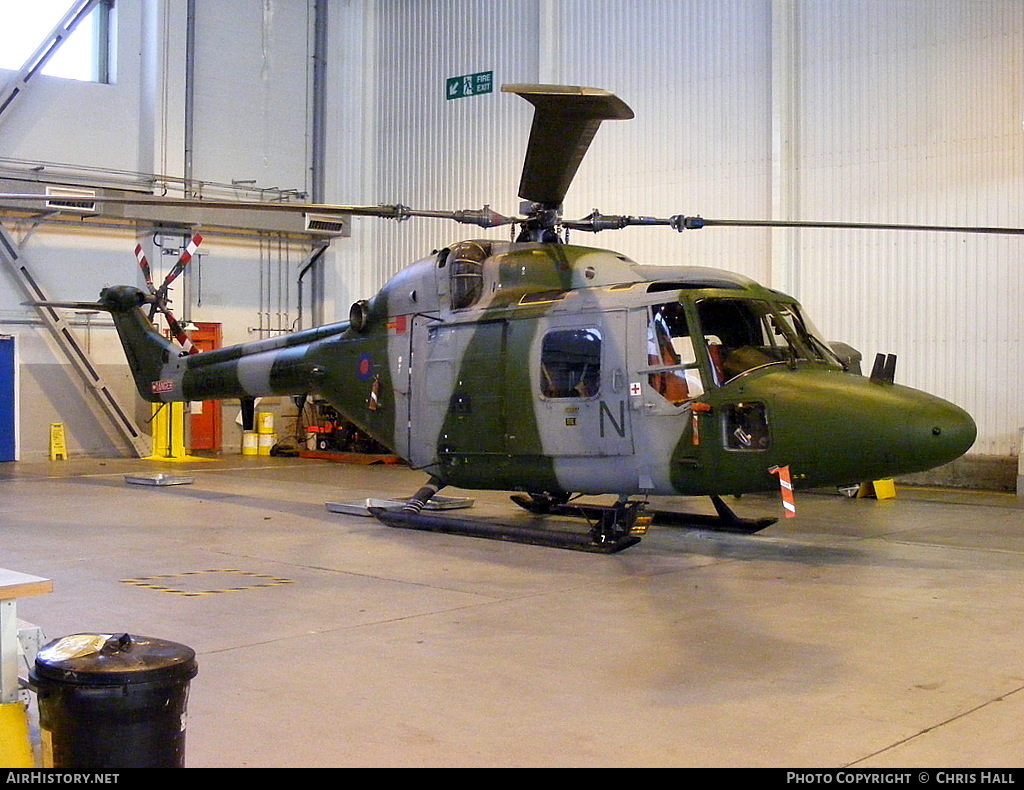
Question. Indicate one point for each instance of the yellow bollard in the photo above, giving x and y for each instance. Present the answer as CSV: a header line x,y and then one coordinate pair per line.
x,y
168,427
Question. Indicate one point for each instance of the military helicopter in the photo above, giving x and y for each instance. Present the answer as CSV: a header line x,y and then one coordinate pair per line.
x,y
556,371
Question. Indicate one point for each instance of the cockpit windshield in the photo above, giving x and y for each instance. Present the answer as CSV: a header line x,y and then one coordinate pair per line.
x,y
743,334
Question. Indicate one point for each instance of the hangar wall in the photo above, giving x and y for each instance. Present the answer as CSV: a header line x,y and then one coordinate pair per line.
x,y
862,110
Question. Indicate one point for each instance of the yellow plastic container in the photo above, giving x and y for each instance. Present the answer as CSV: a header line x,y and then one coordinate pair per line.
x,y
265,422
266,441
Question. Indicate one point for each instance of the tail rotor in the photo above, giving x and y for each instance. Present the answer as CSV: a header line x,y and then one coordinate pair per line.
x,y
158,301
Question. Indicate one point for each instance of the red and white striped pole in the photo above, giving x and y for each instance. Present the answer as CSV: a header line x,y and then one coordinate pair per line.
x,y
786,487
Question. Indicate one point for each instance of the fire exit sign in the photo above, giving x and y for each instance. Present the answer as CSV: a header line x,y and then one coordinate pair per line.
x,y
469,85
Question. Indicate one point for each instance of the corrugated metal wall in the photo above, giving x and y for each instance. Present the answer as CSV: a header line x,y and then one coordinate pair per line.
x,y
430,152
912,112
863,110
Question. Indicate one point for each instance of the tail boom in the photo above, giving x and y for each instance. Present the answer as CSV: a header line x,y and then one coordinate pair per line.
x,y
162,373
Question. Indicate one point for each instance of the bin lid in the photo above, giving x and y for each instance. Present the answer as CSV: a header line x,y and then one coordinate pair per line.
x,y
114,659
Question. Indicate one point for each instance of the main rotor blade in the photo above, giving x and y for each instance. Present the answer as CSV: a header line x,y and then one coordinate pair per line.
x,y
484,218
681,223
565,120
595,222
385,211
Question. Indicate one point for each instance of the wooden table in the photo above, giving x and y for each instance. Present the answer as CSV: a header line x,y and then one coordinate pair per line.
x,y
14,585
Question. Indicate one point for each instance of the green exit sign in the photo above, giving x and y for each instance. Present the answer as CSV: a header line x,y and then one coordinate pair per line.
x,y
469,85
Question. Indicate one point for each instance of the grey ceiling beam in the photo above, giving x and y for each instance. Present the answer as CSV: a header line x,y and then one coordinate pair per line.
x,y
39,201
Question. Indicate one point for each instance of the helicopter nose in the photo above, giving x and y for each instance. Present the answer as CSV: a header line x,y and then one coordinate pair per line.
x,y
849,428
937,432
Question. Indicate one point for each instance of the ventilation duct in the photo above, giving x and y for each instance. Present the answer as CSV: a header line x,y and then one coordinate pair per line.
x,y
327,223
81,201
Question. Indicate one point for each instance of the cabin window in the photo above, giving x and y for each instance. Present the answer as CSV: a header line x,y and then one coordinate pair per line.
x,y
570,363
746,427
672,365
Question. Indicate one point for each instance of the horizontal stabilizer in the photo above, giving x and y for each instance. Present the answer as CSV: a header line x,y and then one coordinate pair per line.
x,y
91,306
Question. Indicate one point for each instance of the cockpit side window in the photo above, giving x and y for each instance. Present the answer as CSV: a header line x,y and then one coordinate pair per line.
x,y
465,269
801,326
743,334
672,365
735,336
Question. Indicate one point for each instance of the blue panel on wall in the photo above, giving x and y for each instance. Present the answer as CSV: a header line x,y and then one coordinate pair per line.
x,y
7,399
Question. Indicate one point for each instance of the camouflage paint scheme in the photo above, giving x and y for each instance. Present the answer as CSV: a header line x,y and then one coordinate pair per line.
x,y
446,366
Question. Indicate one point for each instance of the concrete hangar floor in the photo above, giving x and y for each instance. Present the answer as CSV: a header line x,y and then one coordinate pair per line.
x,y
863,633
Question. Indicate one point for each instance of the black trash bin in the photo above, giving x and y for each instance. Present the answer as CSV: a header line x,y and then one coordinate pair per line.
x,y
113,701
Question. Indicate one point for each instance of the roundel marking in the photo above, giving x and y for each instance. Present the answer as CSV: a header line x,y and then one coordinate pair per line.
x,y
365,367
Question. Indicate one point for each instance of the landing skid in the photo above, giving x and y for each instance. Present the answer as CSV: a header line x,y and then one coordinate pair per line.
x,y
611,528
725,521
595,542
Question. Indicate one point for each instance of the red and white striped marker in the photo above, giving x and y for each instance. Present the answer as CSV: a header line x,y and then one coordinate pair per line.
x,y
186,256
190,249
179,334
374,403
786,487
144,264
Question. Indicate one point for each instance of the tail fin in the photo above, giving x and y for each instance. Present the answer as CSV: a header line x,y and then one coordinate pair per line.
x,y
148,352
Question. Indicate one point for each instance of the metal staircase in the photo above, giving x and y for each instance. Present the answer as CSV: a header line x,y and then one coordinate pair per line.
x,y
65,337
